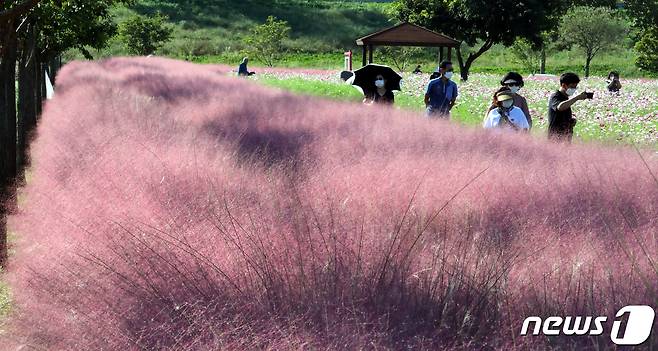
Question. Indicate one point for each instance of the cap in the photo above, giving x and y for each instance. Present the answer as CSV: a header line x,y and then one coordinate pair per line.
x,y
504,96
511,81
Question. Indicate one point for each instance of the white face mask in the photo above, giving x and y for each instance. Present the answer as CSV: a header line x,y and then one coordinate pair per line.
x,y
571,91
448,75
379,83
508,103
515,89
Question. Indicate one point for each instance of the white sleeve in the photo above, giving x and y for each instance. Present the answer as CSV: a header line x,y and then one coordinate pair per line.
x,y
488,122
520,119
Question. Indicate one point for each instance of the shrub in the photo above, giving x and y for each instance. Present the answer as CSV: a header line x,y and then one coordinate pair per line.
x,y
174,208
143,35
647,49
266,41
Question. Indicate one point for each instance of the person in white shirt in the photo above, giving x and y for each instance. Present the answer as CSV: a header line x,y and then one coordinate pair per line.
x,y
506,115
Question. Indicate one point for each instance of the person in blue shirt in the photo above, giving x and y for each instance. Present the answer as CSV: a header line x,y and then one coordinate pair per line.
x,y
441,93
242,69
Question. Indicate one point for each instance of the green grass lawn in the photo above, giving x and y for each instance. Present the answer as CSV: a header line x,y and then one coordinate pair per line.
x,y
496,61
472,103
344,92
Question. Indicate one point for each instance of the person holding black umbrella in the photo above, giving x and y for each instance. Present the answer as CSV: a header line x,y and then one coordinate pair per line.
x,y
379,95
377,83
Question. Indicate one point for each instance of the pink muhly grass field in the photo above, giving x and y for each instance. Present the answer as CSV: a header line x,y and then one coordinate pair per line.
x,y
172,207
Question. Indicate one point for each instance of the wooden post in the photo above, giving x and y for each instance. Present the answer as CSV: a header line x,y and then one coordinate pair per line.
x,y
440,54
450,54
370,50
365,52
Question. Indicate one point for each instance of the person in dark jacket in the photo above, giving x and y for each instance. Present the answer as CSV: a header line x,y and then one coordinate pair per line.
x,y
560,116
614,85
242,69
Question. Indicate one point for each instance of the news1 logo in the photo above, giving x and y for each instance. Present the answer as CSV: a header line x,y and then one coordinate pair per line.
x,y
639,324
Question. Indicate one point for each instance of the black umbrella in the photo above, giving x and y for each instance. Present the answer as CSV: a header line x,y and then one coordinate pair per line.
x,y
364,77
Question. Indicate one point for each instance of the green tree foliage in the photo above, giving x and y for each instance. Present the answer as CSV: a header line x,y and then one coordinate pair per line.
x,y
266,41
482,22
647,49
645,17
527,54
592,29
643,12
143,35
67,24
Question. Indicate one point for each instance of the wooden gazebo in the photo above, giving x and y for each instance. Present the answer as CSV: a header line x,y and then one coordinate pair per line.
x,y
406,34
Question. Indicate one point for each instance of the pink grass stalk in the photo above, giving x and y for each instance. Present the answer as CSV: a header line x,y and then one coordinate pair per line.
x,y
172,207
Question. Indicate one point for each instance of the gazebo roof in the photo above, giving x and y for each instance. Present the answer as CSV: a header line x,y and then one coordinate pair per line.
x,y
408,34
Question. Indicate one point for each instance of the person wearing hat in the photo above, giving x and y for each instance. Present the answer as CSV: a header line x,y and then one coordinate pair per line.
x,y
514,82
505,114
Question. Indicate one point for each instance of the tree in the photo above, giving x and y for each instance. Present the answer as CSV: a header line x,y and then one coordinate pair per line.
x,y
643,12
527,54
592,29
645,18
266,41
474,23
143,35
12,14
647,49
33,33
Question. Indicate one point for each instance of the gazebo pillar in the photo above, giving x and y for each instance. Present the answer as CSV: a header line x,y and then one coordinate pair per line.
x,y
365,52
440,54
370,50
449,54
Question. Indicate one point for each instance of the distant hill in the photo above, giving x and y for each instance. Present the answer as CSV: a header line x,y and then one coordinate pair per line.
x,y
213,31
216,27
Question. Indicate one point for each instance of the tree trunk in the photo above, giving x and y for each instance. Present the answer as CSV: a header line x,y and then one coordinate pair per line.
x,y
41,84
460,59
465,66
7,129
588,61
27,98
542,65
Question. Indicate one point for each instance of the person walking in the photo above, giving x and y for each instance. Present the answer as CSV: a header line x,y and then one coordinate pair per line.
x,y
560,116
379,94
441,93
514,82
243,70
505,115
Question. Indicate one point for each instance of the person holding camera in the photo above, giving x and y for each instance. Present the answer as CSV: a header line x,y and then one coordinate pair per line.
x,y
560,116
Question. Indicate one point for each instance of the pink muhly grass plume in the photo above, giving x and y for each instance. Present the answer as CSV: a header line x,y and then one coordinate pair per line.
x,y
172,207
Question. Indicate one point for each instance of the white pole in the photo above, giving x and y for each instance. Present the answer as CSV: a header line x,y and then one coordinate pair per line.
x,y
50,91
